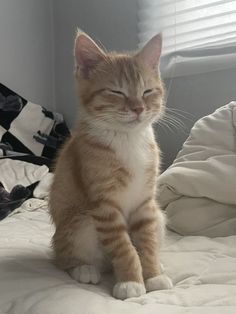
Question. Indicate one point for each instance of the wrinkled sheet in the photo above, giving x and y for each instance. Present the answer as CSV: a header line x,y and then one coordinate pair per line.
x,y
203,271
13,172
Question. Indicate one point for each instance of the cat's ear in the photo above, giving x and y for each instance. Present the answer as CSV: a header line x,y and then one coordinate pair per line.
x,y
151,52
87,53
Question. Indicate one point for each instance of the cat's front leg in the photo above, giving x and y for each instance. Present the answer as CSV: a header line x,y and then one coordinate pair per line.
x,y
146,228
112,232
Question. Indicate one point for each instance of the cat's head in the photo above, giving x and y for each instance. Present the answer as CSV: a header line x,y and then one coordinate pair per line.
x,y
122,91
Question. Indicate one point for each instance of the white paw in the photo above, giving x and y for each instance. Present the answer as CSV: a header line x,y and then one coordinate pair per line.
x,y
85,274
161,282
129,289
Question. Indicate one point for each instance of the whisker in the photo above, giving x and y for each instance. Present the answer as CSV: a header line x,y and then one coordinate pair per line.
x,y
164,126
180,110
183,114
174,119
174,124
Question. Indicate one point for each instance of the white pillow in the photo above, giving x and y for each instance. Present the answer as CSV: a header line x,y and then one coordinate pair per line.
x,y
198,191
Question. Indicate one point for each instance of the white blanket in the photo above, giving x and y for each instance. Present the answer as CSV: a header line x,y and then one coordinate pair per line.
x,y
13,172
198,191
203,271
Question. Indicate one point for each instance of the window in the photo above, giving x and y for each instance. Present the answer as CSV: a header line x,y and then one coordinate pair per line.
x,y
199,35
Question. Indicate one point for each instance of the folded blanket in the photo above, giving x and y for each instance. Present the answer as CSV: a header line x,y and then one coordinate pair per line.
x,y
198,191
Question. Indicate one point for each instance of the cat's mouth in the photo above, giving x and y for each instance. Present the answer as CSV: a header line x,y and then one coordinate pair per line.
x,y
135,120
131,119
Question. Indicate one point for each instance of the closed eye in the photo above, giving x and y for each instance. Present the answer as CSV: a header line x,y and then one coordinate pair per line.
x,y
117,92
147,92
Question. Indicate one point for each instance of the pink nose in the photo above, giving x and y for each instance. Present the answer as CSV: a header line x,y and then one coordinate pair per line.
x,y
138,110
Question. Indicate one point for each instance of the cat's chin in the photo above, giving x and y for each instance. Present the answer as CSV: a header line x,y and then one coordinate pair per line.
x,y
133,125
137,124
132,121
128,121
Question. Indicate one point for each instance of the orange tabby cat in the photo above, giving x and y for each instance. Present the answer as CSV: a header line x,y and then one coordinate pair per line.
x,y
103,198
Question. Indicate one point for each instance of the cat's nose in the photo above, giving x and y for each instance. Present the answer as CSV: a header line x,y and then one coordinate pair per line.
x,y
138,110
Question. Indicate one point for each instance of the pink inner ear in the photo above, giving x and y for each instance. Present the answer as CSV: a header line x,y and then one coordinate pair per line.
x,y
87,53
151,52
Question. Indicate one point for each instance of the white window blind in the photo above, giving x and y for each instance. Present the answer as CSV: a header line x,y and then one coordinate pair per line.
x,y
193,30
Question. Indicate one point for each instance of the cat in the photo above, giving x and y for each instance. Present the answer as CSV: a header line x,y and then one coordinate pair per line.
x,y
103,197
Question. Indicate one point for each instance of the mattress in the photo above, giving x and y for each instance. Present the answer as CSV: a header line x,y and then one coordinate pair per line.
x,y
203,271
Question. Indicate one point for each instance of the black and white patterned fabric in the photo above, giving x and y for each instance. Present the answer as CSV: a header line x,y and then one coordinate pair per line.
x,y
28,128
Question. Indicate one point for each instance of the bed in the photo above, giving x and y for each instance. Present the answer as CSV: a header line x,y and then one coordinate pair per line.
x,y
199,253
203,271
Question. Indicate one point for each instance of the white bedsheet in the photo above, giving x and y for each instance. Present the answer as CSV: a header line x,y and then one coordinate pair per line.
x,y
203,271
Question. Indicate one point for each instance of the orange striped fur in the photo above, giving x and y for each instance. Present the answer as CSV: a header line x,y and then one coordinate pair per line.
x,y
103,198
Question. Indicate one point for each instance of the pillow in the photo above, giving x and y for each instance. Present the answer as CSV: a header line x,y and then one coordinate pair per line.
x,y
198,192
29,128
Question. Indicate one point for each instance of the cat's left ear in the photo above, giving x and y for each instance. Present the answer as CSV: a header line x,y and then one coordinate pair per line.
x,y
87,53
151,52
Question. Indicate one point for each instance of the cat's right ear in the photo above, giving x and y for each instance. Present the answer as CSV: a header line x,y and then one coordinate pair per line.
x,y
87,54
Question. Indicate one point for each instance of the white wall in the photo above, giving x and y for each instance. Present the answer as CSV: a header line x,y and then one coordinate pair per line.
x,y
26,55
113,22
36,44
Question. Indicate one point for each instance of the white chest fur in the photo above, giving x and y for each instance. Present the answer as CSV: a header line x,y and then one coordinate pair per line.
x,y
133,150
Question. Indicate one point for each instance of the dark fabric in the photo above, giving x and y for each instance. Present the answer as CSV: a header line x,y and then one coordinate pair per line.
x,y
12,200
7,116
16,145
47,134
20,140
